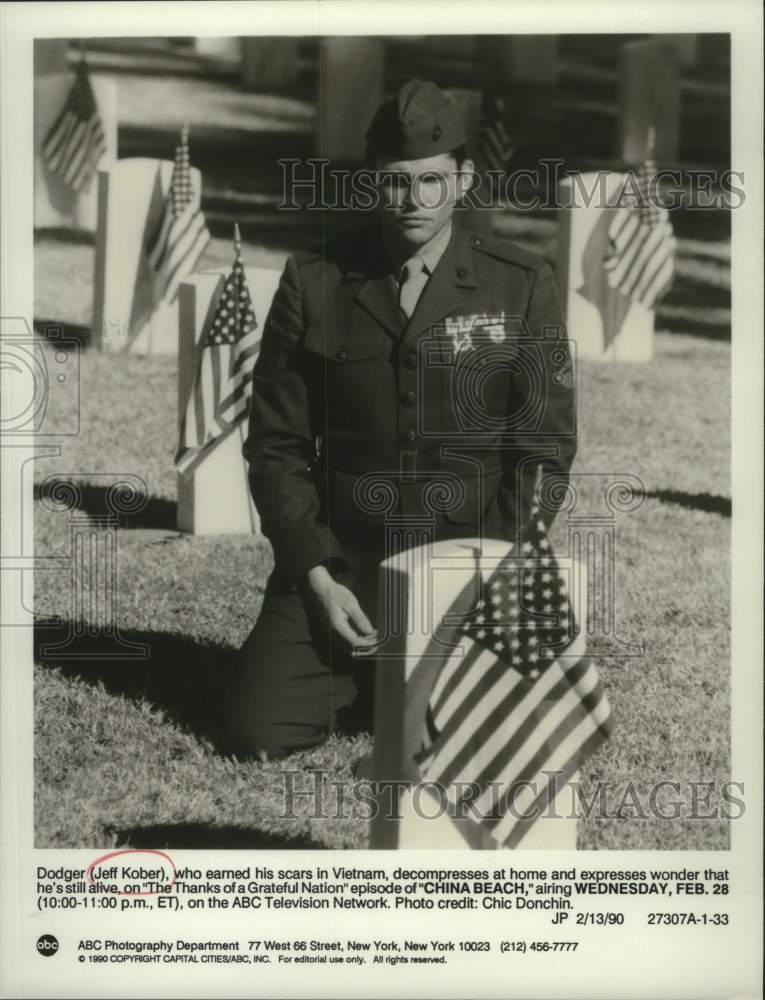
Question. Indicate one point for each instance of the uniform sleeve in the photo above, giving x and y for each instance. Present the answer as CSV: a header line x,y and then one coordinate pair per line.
x,y
548,448
280,444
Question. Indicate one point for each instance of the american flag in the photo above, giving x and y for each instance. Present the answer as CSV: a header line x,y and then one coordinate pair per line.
x,y
494,148
522,707
75,141
641,258
220,395
182,234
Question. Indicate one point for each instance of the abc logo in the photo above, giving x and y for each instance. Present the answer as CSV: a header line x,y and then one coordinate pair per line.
x,y
47,945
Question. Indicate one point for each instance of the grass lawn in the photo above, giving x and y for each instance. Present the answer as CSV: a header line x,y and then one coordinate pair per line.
x,y
128,752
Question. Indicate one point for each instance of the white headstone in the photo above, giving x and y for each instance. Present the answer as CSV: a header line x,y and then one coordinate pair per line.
x,y
351,78
417,589
590,307
214,499
130,208
56,205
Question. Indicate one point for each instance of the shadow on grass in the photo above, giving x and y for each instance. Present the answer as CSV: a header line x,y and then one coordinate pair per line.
x,y
54,330
709,503
708,327
183,677
66,234
96,499
197,836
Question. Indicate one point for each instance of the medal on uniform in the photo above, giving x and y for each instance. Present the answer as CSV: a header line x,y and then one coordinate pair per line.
x,y
459,329
493,327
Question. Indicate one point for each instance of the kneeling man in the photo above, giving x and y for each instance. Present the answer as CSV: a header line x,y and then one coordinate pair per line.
x,y
413,384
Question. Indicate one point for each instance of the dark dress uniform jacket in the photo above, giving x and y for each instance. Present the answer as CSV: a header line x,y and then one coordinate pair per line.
x,y
363,420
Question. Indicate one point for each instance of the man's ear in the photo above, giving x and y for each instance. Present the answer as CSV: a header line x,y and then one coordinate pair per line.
x,y
465,177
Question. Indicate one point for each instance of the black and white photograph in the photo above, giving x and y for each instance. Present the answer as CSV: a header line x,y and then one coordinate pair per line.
x,y
373,444
245,299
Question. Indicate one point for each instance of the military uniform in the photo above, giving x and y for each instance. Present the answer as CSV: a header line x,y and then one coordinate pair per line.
x,y
367,424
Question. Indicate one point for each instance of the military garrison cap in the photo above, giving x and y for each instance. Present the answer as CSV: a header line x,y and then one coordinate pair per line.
x,y
418,121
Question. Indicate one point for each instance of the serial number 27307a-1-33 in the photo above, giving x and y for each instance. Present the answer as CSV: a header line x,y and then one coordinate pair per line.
x,y
688,919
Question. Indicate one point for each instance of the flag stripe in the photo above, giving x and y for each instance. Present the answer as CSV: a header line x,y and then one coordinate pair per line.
x,y
194,244
641,262
59,136
654,266
644,250
658,283
469,673
181,234
234,405
516,711
493,142
206,409
552,767
81,157
229,344
571,709
55,144
582,752
75,142
158,243
186,239
512,707
490,685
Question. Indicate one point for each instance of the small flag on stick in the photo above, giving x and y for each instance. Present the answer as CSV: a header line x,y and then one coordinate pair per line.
x,y
518,712
220,395
494,147
75,141
182,234
640,264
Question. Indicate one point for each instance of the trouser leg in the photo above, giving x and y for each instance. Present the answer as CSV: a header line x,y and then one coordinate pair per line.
x,y
289,683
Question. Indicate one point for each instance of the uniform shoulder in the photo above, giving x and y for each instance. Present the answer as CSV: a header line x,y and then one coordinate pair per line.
x,y
341,252
503,249
304,258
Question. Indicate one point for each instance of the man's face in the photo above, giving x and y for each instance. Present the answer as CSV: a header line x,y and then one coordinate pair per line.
x,y
417,197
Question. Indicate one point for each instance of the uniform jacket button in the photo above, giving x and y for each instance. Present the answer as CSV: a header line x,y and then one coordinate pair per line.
x,y
408,437
341,354
408,398
410,360
462,272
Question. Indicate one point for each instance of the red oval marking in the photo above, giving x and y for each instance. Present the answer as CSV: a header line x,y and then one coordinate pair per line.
x,y
132,850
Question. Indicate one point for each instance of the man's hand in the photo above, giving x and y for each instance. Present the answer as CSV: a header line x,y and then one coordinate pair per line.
x,y
339,610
